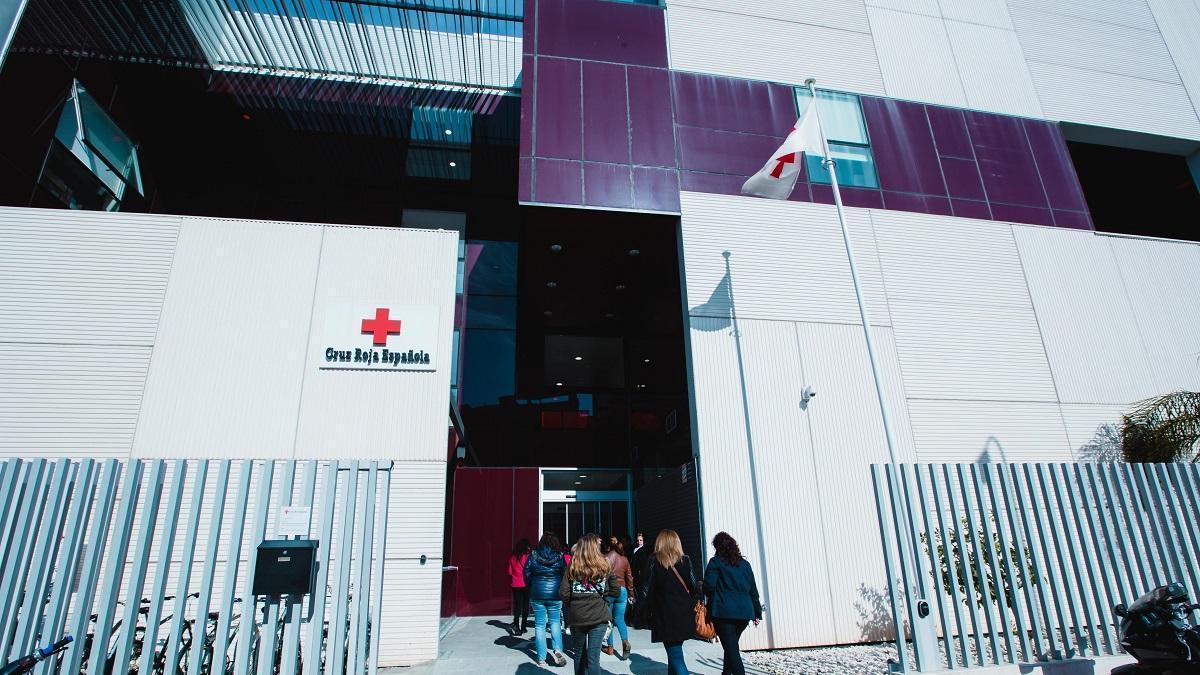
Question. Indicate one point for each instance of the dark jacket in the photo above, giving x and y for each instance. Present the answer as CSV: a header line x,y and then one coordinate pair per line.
x,y
543,572
730,591
671,605
586,603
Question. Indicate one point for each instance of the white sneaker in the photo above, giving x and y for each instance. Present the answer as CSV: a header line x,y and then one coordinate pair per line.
x,y
541,664
560,659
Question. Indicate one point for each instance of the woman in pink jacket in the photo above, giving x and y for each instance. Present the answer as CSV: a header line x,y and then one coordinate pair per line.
x,y
520,594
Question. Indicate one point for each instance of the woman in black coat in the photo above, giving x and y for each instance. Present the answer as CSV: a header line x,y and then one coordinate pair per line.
x,y
669,591
732,598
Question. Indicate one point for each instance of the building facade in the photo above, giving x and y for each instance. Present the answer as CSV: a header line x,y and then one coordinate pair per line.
x,y
626,341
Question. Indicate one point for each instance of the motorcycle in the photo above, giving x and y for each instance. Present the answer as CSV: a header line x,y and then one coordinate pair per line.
x,y
26,663
1156,631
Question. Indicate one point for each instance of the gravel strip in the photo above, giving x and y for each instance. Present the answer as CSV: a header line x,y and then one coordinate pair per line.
x,y
852,660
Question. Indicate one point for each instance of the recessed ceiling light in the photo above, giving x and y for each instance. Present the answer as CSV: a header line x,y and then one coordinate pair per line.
x,y
246,116
583,475
579,482
609,315
634,252
578,358
557,248
645,360
620,287
551,284
449,133
453,163
558,384
548,313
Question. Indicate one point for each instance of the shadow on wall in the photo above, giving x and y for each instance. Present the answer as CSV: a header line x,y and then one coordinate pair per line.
x,y
874,615
985,457
1105,445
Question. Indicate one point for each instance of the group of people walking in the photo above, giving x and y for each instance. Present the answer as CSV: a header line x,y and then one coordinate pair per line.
x,y
591,587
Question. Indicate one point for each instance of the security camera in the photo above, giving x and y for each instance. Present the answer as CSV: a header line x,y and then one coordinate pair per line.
x,y
805,396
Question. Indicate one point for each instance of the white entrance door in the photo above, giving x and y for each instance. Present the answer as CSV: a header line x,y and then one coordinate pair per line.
x,y
578,501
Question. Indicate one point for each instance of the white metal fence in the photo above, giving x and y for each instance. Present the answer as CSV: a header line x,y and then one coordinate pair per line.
x,y
1025,562
149,564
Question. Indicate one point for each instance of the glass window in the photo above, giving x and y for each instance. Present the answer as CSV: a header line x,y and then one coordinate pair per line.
x,y
842,122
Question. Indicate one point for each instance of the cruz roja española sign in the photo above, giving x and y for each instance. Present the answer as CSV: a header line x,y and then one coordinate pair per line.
x,y
379,337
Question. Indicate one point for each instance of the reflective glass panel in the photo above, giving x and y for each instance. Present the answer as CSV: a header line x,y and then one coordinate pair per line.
x,y
855,166
841,115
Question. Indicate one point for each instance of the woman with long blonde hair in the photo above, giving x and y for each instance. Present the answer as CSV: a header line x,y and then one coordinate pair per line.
x,y
585,590
669,589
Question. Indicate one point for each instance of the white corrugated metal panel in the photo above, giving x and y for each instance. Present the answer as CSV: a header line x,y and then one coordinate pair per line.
x,y
925,74
988,431
1160,277
848,437
1087,325
766,388
976,352
1131,13
986,12
1094,430
397,414
228,365
736,45
787,260
70,400
937,259
1109,100
1081,43
992,66
419,501
925,7
841,14
80,277
1179,23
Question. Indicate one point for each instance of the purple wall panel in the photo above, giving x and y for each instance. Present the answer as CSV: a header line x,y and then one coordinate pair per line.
x,y
903,146
597,30
819,192
1005,161
607,185
713,183
723,151
655,189
651,127
528,96
1055,166
557,181
904,201
965,208
962,178
525,179
1021,214
1078,220
605,122
950,132
732,105
862,198
557,107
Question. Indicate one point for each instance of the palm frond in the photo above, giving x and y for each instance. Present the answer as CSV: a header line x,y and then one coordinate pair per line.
x,y
1163,429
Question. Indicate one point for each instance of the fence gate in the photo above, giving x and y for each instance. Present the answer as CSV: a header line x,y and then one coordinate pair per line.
x,y
1024,562
149,565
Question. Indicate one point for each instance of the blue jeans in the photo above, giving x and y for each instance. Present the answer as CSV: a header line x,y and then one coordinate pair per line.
x,y
616,606
675,662
587,641
547,611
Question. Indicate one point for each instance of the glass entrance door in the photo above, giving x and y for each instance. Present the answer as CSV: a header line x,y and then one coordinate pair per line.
x,y
575,502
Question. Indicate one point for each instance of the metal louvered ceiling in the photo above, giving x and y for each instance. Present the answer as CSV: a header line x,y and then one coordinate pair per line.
x,y
458,45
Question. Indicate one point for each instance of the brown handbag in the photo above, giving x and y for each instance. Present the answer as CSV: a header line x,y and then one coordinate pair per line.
x,y
704,628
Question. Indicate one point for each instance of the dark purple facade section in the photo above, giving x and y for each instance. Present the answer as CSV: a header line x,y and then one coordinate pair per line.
x,y
604,124
597,127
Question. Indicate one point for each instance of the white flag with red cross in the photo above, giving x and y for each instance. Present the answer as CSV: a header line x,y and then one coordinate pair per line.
x,y
778,176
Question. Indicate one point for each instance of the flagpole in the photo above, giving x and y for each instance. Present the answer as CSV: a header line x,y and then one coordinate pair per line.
x,y
921,629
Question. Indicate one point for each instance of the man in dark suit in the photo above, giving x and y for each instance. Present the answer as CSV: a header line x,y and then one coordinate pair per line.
x,y
637,560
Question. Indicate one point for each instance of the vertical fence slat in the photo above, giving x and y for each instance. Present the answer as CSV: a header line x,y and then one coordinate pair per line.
x,y
358,628
1115,557
187,553
291,635
982,590
115,567
1077,593
1160,526
1059,583
73,536
931,543
997,573
158,591
1122,519
951,573
998,490
1152,563
204,598
10,502
266,641
46,534
377,577
233,560
258,532
1032,526
312,649
881,508
15,555
141,559
1189,540
97,535
336,656
965,567
1097,557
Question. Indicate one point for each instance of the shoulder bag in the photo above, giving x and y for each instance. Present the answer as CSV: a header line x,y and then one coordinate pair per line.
x,y
704,628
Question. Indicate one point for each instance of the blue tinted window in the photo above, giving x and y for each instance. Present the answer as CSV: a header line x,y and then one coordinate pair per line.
x,y
489,367
844,127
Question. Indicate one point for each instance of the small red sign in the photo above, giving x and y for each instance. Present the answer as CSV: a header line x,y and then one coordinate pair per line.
x,y
381,327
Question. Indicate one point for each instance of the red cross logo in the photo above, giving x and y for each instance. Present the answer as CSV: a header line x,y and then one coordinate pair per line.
x,y
380,326
789,158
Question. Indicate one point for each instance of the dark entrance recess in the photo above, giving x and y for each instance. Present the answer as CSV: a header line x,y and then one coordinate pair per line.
x,y
1137,191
